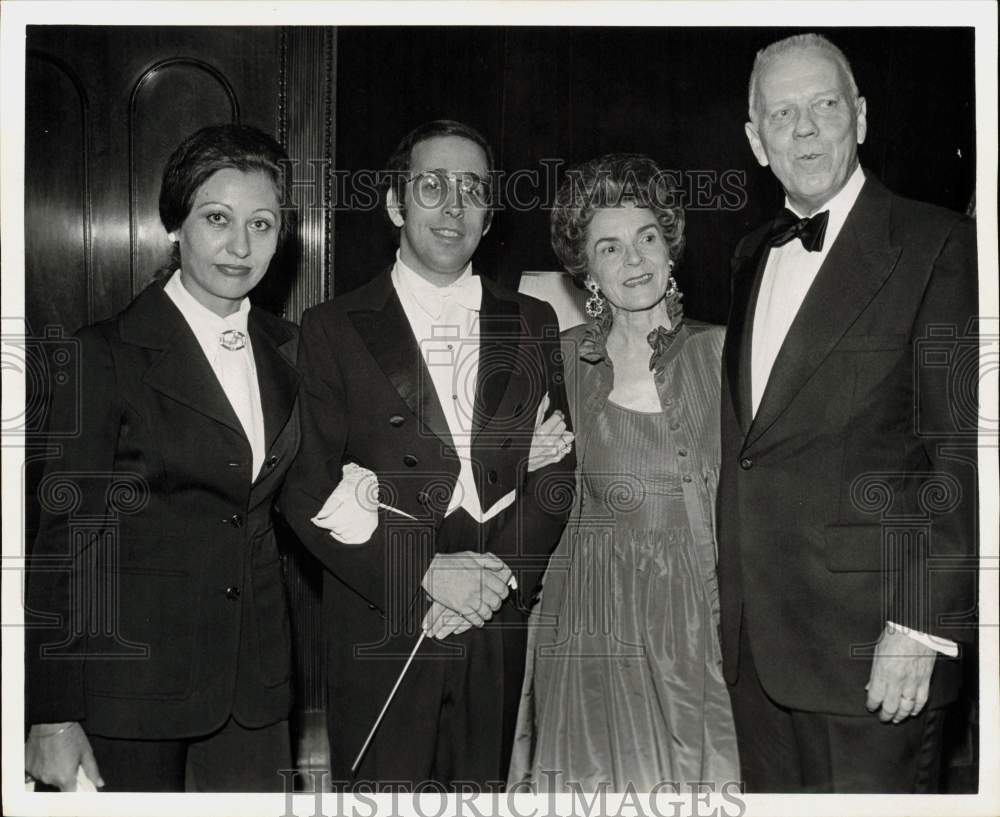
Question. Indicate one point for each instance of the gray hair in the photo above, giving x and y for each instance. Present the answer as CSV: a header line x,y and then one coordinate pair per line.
x,y
798,42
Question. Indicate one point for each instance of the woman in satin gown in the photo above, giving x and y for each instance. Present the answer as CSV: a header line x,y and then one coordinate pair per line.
x,y
624,686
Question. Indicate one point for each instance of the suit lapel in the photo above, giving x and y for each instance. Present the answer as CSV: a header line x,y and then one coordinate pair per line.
x,y
276,375
499,336
181,372
746,285
386,332
857,266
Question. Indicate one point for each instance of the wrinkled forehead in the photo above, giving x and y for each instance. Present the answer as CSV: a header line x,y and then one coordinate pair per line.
x,y
800,72
449,153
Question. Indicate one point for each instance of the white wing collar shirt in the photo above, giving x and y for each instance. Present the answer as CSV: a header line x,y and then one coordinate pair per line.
x,y
790,272
445,323
233,367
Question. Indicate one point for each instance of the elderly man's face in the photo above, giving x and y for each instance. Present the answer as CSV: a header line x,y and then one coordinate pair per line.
x,y
807,127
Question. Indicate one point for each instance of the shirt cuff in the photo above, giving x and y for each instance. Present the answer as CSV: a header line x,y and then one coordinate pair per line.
x,y
942,645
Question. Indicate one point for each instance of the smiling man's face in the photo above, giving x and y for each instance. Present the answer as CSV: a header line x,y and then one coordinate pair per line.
x,y
439,234
807,126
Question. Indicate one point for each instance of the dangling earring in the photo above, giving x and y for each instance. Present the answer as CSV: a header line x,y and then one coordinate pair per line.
x,y
172,237
595,303
671,281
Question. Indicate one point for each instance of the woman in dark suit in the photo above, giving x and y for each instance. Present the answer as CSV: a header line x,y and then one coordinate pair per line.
x,y
166,663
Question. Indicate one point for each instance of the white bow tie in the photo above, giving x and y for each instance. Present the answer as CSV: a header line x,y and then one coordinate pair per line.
x,y
467,293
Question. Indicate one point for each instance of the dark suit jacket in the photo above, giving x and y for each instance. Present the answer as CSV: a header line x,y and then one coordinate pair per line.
x,y
849,499
155,561
367,397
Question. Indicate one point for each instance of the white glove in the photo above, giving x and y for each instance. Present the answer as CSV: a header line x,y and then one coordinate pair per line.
x,y
350,513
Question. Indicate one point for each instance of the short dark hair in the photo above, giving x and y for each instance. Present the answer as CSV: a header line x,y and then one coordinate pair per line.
x,y
215,148
611,181
401,160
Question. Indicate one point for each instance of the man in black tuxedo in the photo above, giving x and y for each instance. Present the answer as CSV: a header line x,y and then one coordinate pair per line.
x,y
426,383
848,487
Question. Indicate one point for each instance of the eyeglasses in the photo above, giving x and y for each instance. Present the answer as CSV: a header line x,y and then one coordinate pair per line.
x,y
433,187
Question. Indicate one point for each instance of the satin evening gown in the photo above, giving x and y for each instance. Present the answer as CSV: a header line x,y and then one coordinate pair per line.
x,y
625,685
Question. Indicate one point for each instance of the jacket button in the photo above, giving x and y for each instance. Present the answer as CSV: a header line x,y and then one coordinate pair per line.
x,y
746,463
232,593
505,443
272,461
491,477
682,453
236,520
687,477
397,420
410,461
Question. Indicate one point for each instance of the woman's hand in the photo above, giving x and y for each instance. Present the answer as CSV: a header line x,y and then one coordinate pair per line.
x,y
54,752
551,440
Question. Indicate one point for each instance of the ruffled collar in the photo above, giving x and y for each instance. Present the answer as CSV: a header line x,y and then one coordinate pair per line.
x,y
593,345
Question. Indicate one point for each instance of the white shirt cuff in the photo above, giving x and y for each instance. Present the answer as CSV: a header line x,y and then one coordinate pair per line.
x,y
942,645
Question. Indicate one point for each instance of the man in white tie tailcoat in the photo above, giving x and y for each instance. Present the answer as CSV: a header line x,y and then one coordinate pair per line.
x,y
430,378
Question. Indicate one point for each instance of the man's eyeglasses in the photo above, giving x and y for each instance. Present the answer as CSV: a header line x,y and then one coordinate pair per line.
x,y
431,188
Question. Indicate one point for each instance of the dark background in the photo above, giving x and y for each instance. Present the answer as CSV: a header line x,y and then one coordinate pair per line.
x,y
106,105
678,94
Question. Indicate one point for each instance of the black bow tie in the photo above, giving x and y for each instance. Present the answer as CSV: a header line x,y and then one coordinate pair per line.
x,y
788,226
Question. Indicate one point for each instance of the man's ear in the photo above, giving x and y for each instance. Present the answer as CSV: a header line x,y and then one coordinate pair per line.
x,y
861,111
755,144
393,209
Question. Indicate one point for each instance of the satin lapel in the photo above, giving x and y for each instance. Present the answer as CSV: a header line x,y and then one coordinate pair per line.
x,y
386,332
746,285
858,265
499,339
276,375
183,373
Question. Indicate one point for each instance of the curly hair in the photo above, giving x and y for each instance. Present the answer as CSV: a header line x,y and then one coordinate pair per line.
x,y
612,181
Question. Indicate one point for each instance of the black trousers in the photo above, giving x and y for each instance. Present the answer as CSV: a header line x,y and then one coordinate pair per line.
x,y
451,723
788,751
231,759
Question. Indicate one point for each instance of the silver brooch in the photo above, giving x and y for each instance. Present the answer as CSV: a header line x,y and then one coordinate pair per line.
x,y
233,340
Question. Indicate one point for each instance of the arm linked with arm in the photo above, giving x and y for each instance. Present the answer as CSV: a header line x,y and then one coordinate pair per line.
x,y
326,422
532,527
